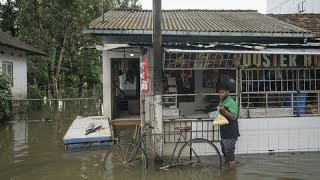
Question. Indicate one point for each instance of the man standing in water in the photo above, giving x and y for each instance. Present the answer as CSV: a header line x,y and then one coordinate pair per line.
x,y
230,132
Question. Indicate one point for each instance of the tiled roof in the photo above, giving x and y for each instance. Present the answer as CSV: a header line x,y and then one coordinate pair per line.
x,y
309,22
240,21
7,40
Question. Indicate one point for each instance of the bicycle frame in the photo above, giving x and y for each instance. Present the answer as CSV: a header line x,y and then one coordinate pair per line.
x,y
167,164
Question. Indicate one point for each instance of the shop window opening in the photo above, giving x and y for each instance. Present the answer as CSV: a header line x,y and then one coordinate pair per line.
x,y
190,81
279,92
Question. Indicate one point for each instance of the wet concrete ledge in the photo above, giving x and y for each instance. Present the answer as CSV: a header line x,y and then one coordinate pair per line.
x,y
126,119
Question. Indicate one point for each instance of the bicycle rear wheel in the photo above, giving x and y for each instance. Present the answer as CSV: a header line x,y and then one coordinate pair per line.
x,y
203,152
125,159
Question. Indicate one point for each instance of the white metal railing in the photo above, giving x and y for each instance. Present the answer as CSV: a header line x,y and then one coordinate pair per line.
x,y
280,80
279,92
279,104
190,106
199,129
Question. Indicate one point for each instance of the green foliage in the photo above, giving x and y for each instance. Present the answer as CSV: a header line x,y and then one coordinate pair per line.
x,y
56,27
34,92
128,4
82,71
37,71
8,14
5,98
51,26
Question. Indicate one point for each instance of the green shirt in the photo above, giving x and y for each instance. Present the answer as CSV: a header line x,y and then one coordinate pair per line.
x,y
230,105
231,130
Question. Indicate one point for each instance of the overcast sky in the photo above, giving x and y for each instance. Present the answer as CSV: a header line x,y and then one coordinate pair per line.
x,y
259,5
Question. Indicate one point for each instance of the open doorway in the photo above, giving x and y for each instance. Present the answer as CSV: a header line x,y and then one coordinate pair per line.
x,y
126,88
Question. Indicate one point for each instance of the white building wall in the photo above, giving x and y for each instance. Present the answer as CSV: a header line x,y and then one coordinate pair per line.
x,y
106,80
271,135
18,58
107,74
292,6
288,134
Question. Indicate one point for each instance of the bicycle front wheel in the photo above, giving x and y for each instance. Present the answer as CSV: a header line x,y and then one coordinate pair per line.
x,y
199,152
125,159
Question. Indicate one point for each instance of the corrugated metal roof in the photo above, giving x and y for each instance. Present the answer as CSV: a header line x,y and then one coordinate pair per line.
x,y
239,21
7,40
309,22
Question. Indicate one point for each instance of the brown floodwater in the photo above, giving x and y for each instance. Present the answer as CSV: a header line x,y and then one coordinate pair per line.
x,y
31,149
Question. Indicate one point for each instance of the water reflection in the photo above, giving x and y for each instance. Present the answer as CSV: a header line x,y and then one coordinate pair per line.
x,y
20,137
37,153
31,148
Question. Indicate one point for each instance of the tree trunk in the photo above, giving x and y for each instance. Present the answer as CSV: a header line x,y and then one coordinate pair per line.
x,y
51,71
56,76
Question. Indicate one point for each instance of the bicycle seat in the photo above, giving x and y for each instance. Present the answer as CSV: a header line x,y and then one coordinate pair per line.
x,y
183,129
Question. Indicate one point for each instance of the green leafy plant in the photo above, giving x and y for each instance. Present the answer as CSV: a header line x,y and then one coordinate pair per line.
x,y
56,28
5,98
34,92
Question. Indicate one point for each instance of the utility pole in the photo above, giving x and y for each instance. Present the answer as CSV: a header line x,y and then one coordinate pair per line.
x,y
156,87
157,47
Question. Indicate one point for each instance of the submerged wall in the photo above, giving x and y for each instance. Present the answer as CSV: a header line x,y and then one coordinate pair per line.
x,y
268,135
287,134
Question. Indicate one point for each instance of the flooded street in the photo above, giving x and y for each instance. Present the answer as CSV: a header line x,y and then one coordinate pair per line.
x,y
32,149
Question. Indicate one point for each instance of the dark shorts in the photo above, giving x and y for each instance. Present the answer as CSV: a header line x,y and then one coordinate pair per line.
x,y
228,147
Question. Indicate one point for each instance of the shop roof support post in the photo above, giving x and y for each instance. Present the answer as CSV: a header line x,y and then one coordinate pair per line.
x,y
156,82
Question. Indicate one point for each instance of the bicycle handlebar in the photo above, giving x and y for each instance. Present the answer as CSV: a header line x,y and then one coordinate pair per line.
x,y
182,129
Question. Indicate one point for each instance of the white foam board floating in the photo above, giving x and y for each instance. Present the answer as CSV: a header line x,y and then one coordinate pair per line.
x,y
88,132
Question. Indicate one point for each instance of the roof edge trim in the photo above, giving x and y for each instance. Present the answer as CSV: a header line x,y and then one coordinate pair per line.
x,y
193,33
266,51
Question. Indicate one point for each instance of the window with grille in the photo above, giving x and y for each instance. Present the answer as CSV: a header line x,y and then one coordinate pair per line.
x,y
279,92
7,69
200,61
273,80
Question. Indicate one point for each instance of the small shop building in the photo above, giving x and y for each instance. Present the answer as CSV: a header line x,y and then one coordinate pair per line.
x,y
272,71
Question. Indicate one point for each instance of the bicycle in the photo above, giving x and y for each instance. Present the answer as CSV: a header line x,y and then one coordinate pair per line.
x,y
131,156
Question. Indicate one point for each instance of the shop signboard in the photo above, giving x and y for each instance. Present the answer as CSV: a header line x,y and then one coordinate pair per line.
x,y
194,60
279,60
